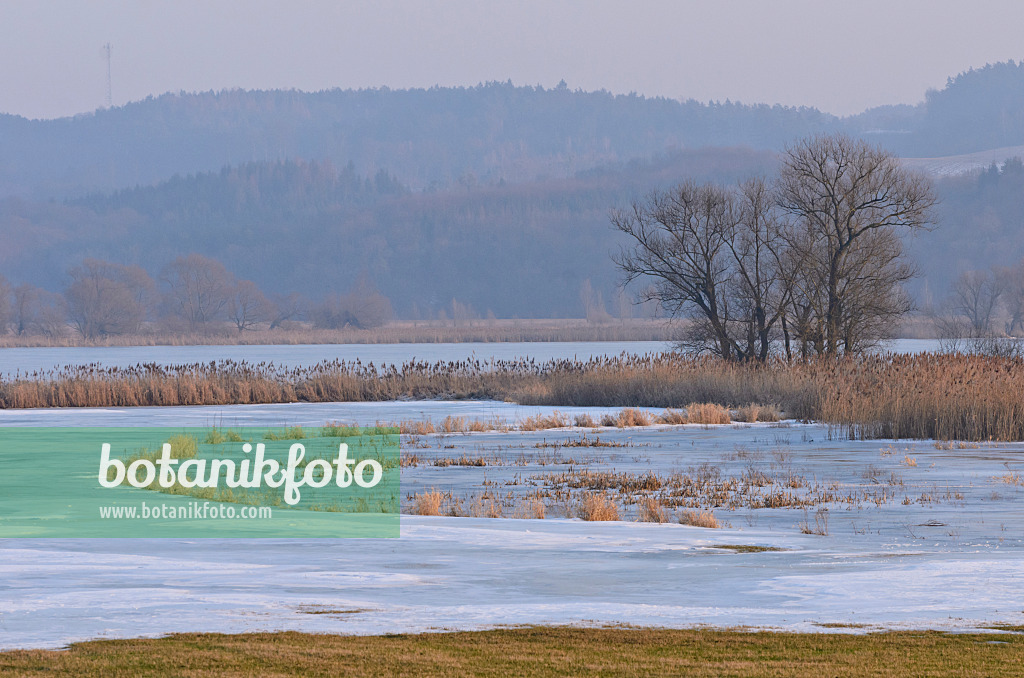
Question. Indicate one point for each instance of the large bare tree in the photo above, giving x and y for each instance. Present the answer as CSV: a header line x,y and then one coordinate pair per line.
x,y
105,298
715,255
198,289
850,203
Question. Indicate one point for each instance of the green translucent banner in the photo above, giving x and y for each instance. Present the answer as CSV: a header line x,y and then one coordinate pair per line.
x,y
331,481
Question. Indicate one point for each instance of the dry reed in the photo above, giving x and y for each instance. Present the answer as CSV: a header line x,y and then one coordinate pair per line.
x,y
752,413
428,503
699,519
943,397
651,511
707,413
597,507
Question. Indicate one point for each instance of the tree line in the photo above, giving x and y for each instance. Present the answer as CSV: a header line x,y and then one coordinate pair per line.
x,y
193,294
809,261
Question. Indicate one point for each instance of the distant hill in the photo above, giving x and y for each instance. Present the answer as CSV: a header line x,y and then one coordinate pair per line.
x,y
978,110
514,249
429,139
495,195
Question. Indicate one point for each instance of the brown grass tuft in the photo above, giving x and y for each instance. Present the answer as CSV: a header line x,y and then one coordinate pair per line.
x,y
584,421
541,422
674,417
428,503
707,413
752,413
651,511
633,417
596,507
699,519
532,508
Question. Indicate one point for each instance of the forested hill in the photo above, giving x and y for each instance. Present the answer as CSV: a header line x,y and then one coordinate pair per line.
x,y
523,250
443,137
427,138
308,227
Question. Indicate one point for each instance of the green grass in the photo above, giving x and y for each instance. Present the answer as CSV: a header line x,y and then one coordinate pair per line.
x,y
540,651
746,548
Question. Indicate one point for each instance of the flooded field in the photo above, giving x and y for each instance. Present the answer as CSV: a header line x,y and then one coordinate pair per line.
x,y
813,533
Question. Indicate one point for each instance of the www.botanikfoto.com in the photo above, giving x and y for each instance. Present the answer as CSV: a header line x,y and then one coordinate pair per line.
x,y
194,510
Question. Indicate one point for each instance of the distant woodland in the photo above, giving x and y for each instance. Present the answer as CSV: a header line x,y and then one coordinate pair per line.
x,y
489,201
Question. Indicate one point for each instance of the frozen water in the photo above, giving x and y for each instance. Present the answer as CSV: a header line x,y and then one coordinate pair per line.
x,y
944,551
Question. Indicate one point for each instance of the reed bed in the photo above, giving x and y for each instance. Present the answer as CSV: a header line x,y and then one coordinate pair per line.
x,y
399,332
942,397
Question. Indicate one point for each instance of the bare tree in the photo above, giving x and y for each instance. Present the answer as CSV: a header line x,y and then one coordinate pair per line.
x,y
975,297
105,298
24,310
247,306
715,255
593,303
1011,284
5,304
198,289
38,311
287,307
363,307
850,202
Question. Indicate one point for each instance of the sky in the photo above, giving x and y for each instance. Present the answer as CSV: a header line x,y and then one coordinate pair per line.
x,y
841,57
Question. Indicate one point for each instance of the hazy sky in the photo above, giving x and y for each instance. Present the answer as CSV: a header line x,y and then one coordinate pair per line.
x,y
839,56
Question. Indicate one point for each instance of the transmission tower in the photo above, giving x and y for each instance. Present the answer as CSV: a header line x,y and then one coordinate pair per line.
x,y
110,98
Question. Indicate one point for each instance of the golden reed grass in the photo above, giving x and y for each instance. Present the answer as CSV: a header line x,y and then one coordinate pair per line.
x,y
943,397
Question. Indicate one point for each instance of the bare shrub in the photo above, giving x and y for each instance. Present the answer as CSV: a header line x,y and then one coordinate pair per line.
x,y
707,413
699,519
597,507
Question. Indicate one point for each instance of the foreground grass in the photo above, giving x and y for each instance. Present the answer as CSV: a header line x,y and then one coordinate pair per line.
x,y
541,651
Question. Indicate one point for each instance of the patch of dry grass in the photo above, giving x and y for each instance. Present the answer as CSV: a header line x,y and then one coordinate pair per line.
x,y
707,413
674,417
752,413
541,422
699,519
597,507
633,417
1011,478
584,421
428,503
651,510
535,652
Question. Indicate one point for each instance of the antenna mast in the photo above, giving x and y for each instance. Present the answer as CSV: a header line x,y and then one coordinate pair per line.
x,y
110,99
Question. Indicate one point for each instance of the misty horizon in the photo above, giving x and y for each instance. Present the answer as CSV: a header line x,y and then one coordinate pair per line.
x,y
838,59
